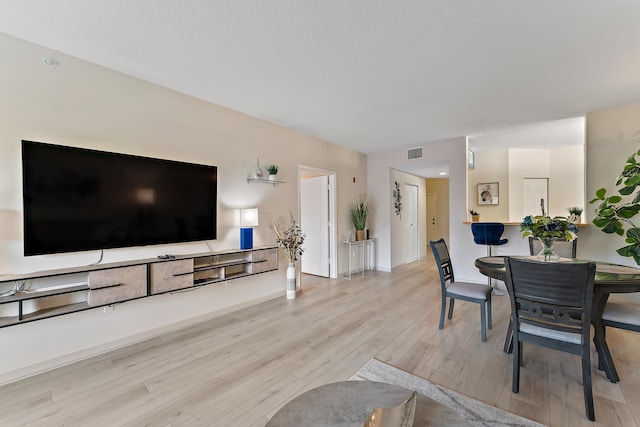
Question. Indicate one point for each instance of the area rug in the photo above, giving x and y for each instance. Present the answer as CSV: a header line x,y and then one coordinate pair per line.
x,y
471,410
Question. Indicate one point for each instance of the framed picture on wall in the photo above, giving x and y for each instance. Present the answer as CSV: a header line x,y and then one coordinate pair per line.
x,y
471,157
488,193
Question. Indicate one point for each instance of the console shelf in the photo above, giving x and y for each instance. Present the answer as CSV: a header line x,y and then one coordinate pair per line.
x,y
220,265
55,311
44,292
57,292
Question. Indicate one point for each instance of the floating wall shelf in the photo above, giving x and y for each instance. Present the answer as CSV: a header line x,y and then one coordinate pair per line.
x,y
265,181
56,292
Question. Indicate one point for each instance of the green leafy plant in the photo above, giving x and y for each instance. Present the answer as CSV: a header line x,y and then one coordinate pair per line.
x,y
614,213
360,211
473,213
575,211
272,169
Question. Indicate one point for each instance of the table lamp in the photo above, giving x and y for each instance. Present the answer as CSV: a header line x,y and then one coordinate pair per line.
x,y
248,220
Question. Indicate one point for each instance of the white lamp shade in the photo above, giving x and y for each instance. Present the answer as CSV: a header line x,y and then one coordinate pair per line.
x,y
249,217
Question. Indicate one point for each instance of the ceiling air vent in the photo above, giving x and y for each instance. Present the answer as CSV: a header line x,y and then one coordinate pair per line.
x,y
414,153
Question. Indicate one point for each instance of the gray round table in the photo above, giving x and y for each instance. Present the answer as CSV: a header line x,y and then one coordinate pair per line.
x,y
349,403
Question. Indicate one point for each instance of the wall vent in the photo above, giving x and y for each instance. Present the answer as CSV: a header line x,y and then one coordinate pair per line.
x,y
414,153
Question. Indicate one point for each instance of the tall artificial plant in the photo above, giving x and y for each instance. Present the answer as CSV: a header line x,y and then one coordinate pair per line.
x,y
614,213
360,211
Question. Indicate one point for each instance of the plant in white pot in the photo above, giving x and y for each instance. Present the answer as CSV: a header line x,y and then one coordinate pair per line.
x,y
273,171
576,212
359,213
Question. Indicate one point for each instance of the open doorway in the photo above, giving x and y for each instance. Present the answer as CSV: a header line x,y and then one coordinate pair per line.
x,y
437,209
421,183
317,198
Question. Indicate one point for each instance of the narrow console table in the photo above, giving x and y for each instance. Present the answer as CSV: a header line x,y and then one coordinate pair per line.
x,y
361,256
43,294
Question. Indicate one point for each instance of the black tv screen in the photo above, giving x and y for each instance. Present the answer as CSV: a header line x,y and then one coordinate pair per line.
x,y
77,199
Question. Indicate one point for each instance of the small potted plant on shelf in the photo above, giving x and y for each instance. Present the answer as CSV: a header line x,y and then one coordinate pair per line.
x,y
475,216
576,213
359,214
273,171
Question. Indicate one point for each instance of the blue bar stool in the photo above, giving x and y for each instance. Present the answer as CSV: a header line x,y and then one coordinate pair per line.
x,y
489,234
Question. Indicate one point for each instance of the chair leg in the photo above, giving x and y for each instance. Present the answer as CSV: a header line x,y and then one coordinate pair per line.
x,y
489,313
483,320
515,382
601,366
442,310
586,384
451,301
521,356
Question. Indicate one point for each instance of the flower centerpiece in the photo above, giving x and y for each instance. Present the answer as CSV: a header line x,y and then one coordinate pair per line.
x,y
289,237
547,230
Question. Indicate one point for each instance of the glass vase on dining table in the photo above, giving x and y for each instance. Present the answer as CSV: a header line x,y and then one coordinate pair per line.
x,y
547,254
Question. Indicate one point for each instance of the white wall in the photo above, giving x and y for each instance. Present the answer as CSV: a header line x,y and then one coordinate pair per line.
x,y
85,105
564,166
491,166
524,163
398,255
612,136
567,180
453,151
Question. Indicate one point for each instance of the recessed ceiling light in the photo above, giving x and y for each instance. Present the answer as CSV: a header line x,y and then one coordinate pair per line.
x,y
49,62
442,173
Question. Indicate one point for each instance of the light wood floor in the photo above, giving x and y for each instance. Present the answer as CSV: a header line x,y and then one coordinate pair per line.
x,y
238,369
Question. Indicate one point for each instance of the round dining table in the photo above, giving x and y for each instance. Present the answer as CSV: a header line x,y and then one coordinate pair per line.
x,y
609,279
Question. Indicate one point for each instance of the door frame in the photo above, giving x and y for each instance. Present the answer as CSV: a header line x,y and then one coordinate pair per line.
x,y
333,248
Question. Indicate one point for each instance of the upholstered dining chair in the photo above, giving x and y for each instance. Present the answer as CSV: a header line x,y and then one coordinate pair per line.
x,y
551,305
471,292
621,312
488,234
562,247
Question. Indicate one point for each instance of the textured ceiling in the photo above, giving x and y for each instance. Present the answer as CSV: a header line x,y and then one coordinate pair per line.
x,y
371,75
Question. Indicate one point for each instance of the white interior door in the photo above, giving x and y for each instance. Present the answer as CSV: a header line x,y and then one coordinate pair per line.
x,y
314,219
536,192
410,219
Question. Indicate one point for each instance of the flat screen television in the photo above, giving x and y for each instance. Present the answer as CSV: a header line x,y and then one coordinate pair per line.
x,y
76,199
